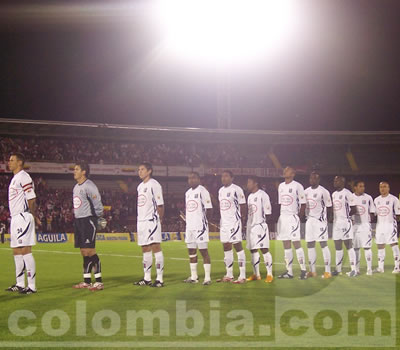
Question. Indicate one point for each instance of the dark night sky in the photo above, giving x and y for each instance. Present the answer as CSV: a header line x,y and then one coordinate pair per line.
x,y
342,73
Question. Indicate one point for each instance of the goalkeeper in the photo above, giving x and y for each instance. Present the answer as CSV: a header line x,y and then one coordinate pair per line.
x,y
88,211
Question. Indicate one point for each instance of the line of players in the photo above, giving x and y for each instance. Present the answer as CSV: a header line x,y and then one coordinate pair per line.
x,y
351,217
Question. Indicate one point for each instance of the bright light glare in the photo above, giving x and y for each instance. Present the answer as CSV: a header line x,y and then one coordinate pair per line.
x,y
226,31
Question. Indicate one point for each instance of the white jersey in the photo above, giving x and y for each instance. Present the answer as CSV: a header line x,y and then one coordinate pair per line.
x,y
386,209
291,197
259,205
342,201
21,190
197,202
318,199
149,197
365,206
230,198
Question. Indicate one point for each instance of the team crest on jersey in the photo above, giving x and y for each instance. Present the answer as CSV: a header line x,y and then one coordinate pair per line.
x,y
228,194
387,202
340,197
290,190
196,195
315,195
255,199
145,190
364,202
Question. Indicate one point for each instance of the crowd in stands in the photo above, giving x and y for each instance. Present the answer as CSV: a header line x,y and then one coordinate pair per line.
x,y
38,149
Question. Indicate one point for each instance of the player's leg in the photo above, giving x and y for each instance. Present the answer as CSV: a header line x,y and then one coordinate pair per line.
x,y
192,250
368,260
268,264
352,257
339,257
287,246
241,260
19,271
326,253
357,243
159,259
228,260
203,248
396,256
381,257
284,228
255,256
312,259
300,258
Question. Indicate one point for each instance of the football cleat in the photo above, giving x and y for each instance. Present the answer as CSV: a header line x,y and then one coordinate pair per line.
x,y
311,274
378,270
286,275
14,288
142,282
269,279
396,271
239,281
225,279
96,286
27,291
336,273
190,280
81,285
303,275
352,273
157,284
326,275
253,278
369,272
206,282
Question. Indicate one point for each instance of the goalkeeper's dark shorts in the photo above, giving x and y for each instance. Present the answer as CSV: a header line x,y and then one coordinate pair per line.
x,y
85,232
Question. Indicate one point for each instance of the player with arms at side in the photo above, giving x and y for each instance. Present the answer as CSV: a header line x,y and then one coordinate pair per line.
x,y
88,210
257,234
150,213
22,205
293,205
319,207
388,213
344,207
362,225
232,206
198,210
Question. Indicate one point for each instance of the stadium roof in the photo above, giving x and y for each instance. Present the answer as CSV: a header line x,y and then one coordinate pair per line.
x,y
21,127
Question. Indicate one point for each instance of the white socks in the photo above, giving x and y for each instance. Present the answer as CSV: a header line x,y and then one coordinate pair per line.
x,y
255,262
358,256
30,266
381,259
20,270
147,264
368,258
268,262
312,258
228,259
242,264
159,257
301,258
352,258
326,253
396,254
339,260
207,272
289,261
193,272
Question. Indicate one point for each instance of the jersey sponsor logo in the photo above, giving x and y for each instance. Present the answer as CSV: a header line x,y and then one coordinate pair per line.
x,y
383,211
141,201
311,203
191,206
77,202
286,200
224,204
337,205
252,209
361,210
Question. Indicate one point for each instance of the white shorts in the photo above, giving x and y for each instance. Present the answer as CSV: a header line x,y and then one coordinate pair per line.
x,y
231,234
196,236
288,228
22,230
316,230
203,245
257,237
386,233
342,230
362,236
148,232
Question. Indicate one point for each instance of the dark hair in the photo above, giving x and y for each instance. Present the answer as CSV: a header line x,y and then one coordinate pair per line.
x,y
195,173
84,167
19,156
255,179
148,166
230,173
314,172
359,181
384,182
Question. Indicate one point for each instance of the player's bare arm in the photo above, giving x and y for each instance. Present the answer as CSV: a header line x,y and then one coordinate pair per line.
x,y
32,208
160,211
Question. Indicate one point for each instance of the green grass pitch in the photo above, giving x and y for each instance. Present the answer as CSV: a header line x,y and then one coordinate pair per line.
x,y
285,314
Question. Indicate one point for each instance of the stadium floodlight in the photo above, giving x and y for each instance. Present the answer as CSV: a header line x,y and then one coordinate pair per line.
x,y
226,31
